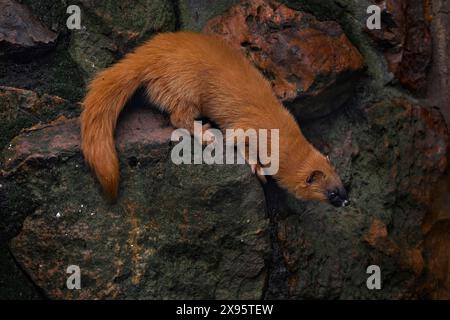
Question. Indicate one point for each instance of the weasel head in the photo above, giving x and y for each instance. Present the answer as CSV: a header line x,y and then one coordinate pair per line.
x,y
316,179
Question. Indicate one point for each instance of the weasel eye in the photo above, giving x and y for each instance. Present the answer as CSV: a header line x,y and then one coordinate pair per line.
x,y
315,175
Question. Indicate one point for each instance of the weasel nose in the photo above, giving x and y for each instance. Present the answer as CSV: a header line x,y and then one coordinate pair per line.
x,y
345,203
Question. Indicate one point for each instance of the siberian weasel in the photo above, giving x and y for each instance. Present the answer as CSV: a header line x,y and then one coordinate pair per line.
x,y
191,75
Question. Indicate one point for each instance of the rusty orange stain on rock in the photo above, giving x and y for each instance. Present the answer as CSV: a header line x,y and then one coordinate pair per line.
x,y
407,258
406,41
377,237
293,49
136,254
292,283
376,231
412,259
184,226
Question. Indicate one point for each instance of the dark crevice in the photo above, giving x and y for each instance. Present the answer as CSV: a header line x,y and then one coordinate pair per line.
x,y
176,9
276,286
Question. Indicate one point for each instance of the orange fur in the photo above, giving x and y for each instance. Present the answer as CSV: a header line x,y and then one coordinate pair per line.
x,y
190,75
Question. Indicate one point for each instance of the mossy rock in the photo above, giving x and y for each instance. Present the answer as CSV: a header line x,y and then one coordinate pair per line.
x,y
194,14
176,231
391,154
352,16
20,109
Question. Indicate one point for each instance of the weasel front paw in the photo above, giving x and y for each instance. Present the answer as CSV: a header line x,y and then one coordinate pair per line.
x,y
259,172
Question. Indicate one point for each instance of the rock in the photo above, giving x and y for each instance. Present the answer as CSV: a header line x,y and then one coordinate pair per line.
x,y
437,283
436,246
21,33
391,155
53,14
91,49
396,43
139,18
406,40
194,14
110,29
176,232
439,76
436,227
21,109
352,16
14,283
312,65
52,73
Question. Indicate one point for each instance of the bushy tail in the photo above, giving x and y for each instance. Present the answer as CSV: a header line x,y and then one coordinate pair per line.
x,y
108,94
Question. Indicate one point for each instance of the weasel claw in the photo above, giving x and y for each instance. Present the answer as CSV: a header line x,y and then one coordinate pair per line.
x,y
259,172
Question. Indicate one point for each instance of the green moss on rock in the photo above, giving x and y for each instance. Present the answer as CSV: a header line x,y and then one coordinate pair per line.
x,y
176,232
195,13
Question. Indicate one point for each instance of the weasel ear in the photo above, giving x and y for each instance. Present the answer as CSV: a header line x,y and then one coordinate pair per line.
x,y
314,176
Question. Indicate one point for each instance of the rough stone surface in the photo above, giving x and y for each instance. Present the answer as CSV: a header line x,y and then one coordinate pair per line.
x,y
66,79
194,14
109,30
439,76
134,17
390,155
406,39
53,14
15,285
176,231
351,16
21,109
436,228
310,63
22,33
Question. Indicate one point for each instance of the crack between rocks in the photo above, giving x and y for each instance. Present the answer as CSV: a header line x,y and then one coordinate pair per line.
x,y
176,9
277,274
